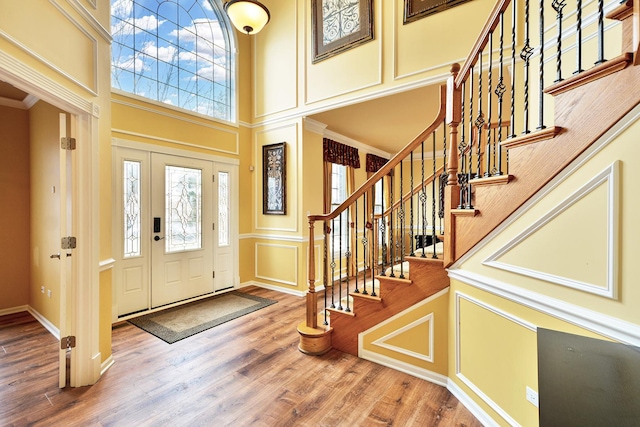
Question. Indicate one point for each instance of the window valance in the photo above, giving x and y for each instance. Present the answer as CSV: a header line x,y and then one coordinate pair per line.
x,y
374,163
336,152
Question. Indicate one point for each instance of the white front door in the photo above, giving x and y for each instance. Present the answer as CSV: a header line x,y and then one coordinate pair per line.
x,y
181,211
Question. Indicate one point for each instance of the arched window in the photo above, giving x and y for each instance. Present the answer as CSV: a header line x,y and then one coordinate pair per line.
x,y
177,52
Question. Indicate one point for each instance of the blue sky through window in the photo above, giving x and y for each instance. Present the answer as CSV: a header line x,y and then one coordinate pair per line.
x,y
173,51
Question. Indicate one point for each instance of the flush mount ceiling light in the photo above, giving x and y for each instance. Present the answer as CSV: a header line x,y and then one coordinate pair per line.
x,y
248,16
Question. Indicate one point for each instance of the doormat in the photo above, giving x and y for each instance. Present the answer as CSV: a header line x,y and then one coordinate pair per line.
x,y
177,323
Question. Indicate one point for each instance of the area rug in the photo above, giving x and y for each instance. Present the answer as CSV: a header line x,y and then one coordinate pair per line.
x,y
174,324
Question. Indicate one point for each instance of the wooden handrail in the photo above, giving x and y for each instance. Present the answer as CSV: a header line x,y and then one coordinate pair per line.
x,y
390,165
482,40
417,188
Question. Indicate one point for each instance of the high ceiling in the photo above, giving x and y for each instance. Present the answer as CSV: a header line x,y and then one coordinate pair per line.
x,y
386,123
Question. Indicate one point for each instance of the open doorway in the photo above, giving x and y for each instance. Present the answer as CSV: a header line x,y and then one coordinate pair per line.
x,y
45,185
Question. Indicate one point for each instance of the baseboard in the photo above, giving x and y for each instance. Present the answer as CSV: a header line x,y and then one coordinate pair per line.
x,y
44,322
471,405
407,368
278,288
104,367
13,310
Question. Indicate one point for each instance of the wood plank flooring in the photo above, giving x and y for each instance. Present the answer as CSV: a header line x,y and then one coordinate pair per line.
x,y
247,372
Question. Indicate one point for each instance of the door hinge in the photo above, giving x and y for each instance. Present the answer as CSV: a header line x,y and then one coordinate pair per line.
x,y
68,243
67,342
213,226
214,274
213,178
67,143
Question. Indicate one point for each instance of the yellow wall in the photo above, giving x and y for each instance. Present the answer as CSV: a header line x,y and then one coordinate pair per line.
x,y
417,337
14,191
44,130
558,257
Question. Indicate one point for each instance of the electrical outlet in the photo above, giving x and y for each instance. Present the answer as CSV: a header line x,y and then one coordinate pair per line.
x,y
49,293
532,397
42,289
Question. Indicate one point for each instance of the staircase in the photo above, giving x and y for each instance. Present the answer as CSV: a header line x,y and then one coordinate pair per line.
x,y
499,153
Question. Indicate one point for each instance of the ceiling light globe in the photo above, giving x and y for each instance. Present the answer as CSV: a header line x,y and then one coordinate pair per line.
x,y
248,16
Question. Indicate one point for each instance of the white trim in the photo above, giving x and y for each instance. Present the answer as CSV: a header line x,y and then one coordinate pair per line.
x,y
29,80
104,366
477,390
381,342
13,310
278,288
296,239
609,136
471,405
91,20
295,265
407,368
174,141
313,126
45,322
610,176
152,148
106,264
599,323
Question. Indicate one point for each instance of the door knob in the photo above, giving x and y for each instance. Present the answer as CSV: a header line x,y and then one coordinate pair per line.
x,y
156,238
55,255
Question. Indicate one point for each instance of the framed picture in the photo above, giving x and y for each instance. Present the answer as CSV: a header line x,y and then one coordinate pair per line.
x,y
339,25
274,179
417,9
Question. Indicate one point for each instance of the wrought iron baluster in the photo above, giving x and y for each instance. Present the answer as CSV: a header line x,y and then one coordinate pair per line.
x,y
462,146
578,37
392,237
355,244
365,241
325,265
401,222
333,262
347,256
444,176
480,119
423,205
600,32
525,55
513,62
340,263
500,90
433,194
411,223
558,6
469,204
487,153
383,231
541,70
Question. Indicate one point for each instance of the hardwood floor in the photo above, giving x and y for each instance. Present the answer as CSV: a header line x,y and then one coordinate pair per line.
x,y
245,372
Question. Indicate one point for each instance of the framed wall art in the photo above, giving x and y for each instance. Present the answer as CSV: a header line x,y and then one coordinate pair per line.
x,y
274,179
339,25
417,9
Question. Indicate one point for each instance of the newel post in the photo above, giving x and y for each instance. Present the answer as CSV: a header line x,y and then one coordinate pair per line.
x,y
452,190
312,301
314,339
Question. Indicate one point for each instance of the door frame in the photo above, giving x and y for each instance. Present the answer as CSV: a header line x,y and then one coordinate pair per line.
x,y
84,310
230,164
